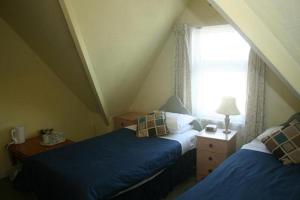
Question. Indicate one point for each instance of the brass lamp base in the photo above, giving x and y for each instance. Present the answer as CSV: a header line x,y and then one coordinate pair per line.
x,y
227,131
227,121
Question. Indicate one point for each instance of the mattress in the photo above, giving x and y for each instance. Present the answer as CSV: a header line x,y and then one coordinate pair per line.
x,y
100,167
250,173
188,141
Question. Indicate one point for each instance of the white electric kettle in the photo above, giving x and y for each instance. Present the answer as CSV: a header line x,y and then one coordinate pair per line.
x,y
18,134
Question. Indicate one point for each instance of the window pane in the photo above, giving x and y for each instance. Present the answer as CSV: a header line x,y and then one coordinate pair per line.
x,y
219,68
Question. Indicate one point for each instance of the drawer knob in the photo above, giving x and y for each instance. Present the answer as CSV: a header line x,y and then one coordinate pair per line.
x,y
122,123
210,170
211,145
210,158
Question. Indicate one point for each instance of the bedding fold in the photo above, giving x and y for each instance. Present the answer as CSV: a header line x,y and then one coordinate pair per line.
x,y
249,175
98,168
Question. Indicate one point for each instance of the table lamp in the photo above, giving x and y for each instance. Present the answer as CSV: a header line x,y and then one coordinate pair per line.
x,y
228,107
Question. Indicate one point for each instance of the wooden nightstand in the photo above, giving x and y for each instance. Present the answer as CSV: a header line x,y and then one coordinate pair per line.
x,y
126,119
212,149
19,152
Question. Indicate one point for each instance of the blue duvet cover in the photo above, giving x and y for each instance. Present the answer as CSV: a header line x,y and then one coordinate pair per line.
x,y
98,168
249,175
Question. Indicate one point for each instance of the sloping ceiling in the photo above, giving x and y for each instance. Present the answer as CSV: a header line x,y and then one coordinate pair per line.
x,y
273,29
119,39
283,19
200,13
42,26
113,44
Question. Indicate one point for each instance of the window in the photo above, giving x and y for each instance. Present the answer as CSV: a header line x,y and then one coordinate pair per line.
x,y
219,68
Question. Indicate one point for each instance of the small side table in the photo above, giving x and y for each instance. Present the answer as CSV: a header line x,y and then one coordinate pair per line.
x,y
32,146
212,149
126,119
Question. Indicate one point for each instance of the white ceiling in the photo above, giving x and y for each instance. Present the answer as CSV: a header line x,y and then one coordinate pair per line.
x,y
282,17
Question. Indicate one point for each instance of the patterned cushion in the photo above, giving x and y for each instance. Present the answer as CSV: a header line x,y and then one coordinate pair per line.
x,y
152,124
285,143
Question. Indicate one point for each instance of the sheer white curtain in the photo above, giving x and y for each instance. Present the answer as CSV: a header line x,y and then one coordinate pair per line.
x,y
255,98
219,68
183,64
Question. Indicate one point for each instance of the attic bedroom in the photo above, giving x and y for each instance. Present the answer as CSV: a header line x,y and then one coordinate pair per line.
x,y
161,99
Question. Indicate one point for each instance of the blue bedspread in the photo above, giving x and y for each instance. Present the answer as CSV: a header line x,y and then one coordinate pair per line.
x,y
249,175
99,167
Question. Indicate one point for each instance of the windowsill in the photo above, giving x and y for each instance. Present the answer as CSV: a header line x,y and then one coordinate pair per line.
x,y
221,121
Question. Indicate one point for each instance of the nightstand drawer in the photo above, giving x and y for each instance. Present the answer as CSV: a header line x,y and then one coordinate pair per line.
x,y
121,123
200,176
126,119
212,145
212,150
205,158
204,171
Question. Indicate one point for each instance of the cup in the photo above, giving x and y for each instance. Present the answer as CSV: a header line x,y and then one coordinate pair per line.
x,y
18,134
46,138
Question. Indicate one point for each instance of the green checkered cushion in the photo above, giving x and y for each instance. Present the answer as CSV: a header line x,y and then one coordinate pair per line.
x,y
152,124
285,143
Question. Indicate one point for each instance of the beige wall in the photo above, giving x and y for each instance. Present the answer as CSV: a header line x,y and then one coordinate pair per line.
x,y
200,13
158,86
280,101
121,38
33,96
41,24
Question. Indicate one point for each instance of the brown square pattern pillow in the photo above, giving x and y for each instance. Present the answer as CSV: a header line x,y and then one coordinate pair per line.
x,y
285,143
152,124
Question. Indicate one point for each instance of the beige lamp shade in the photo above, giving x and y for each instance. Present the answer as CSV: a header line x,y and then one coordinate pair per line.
x,y
228,107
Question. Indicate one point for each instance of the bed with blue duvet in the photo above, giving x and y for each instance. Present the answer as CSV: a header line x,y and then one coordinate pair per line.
x,y
101,167
251,173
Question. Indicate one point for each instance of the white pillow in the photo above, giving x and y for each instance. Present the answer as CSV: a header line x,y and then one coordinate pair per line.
x,y
268,132
177,121
182,130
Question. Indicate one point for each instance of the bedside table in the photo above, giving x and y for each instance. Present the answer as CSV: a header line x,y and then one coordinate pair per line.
x,y
126,119
212,149
19,152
